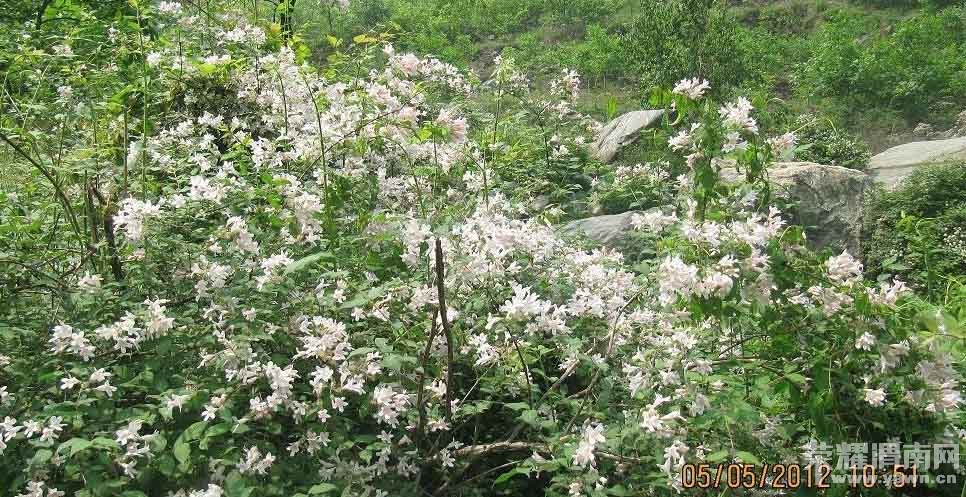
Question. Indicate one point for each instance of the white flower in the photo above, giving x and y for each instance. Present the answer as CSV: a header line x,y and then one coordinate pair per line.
x,y
888,294
692,88
101,375
129,433
34,489
63,50
676,278
844,269
865,342
89,282
55,425
568,85
255,462
204,189
67,339
456,126
176,401
69,383
106,388
272,266
782,143
390,404
153,59
408,64
446,458
158,324
169,7
655,221
31,428
673,456
65,92
249,314
132,216
485,353
737,115
592,436
875,397
212,491
524,303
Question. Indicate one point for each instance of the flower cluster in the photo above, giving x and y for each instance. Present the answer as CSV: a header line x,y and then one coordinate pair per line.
x,y
322,285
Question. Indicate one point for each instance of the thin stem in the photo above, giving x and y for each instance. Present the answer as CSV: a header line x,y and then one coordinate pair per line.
x,y
441,293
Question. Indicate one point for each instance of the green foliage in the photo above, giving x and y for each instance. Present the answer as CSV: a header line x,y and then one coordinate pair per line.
x,y
672,40
918,231
234,267
916,68
820,141
788,17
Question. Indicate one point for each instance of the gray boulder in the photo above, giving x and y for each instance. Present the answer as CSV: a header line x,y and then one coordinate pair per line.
x,y
893,165
621,132
827,201
611,230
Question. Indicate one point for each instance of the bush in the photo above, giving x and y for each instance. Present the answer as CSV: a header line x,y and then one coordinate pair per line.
x,y
229,271
821,142
672,40
916,232
917,68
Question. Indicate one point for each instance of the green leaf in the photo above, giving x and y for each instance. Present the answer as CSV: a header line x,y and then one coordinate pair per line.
x,y
305,262
235,485
182,451
194,431
322,488
747,457
74,445
717,456
509,474
363,38
104,443
41,457
797,378
530,417
212,432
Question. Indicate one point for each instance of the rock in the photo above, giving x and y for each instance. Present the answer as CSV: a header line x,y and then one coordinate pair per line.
x,y
615,231
610,230
928,132
621,132
827,201
893,165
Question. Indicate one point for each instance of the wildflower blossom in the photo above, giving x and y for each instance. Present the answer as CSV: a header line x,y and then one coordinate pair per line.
x,y
593,435
693,88
89,282
875,397
737,115
844,268
865,342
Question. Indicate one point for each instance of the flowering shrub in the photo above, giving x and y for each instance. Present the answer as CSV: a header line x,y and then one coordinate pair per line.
x,y
266,277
